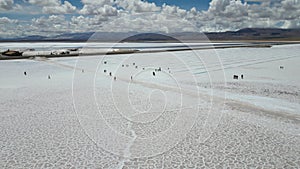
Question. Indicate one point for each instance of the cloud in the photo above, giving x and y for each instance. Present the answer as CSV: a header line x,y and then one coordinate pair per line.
x,y
137,6
98,7
87,24
228,8
113,7
54,6
148,22
5,20
6,5
290,10
234,14
291,24
173,10
51,25
143,16
290,4
45,3
9,27
64,8
105,10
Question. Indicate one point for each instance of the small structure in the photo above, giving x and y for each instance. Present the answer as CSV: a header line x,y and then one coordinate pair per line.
x,y
235,77
158,70
60,52
153,73
115,78
110,74
12,53
64,52
127,65
82,70
73,49
130,77
49,77
281,67
122,65
133,64
105,62
136,67
242,76
104,71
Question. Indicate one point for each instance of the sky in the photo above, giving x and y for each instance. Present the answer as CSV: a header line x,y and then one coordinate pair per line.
x,y
20,18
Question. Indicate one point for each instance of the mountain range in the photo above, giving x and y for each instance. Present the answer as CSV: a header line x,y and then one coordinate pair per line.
x,y
264,34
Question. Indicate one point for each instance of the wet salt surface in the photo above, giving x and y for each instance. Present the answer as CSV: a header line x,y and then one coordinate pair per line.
x,y
60,123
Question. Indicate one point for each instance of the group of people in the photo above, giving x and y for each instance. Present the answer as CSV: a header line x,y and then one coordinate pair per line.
x,y
237,76
134,64
115,78
25,74
159,70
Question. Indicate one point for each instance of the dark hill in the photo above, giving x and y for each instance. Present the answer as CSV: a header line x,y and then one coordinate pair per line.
x,y
242,34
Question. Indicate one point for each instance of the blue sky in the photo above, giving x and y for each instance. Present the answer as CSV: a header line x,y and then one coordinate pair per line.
x,y
52,17
185,4
199,4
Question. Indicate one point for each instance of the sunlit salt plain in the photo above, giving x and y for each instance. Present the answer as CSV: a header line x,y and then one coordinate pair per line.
x,y
69,112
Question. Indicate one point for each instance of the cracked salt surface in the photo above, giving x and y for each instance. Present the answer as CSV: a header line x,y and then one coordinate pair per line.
x,y
126,153
267,103
254,126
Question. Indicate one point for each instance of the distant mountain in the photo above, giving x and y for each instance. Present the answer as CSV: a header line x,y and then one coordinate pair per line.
x,y
257,34
149,37
243,34
71,37
28,38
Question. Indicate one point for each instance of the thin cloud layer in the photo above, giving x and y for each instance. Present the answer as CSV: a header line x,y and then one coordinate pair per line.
x,y
54,6
6,5
143,16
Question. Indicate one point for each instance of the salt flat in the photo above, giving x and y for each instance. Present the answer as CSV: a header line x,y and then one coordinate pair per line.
x,y
191,114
